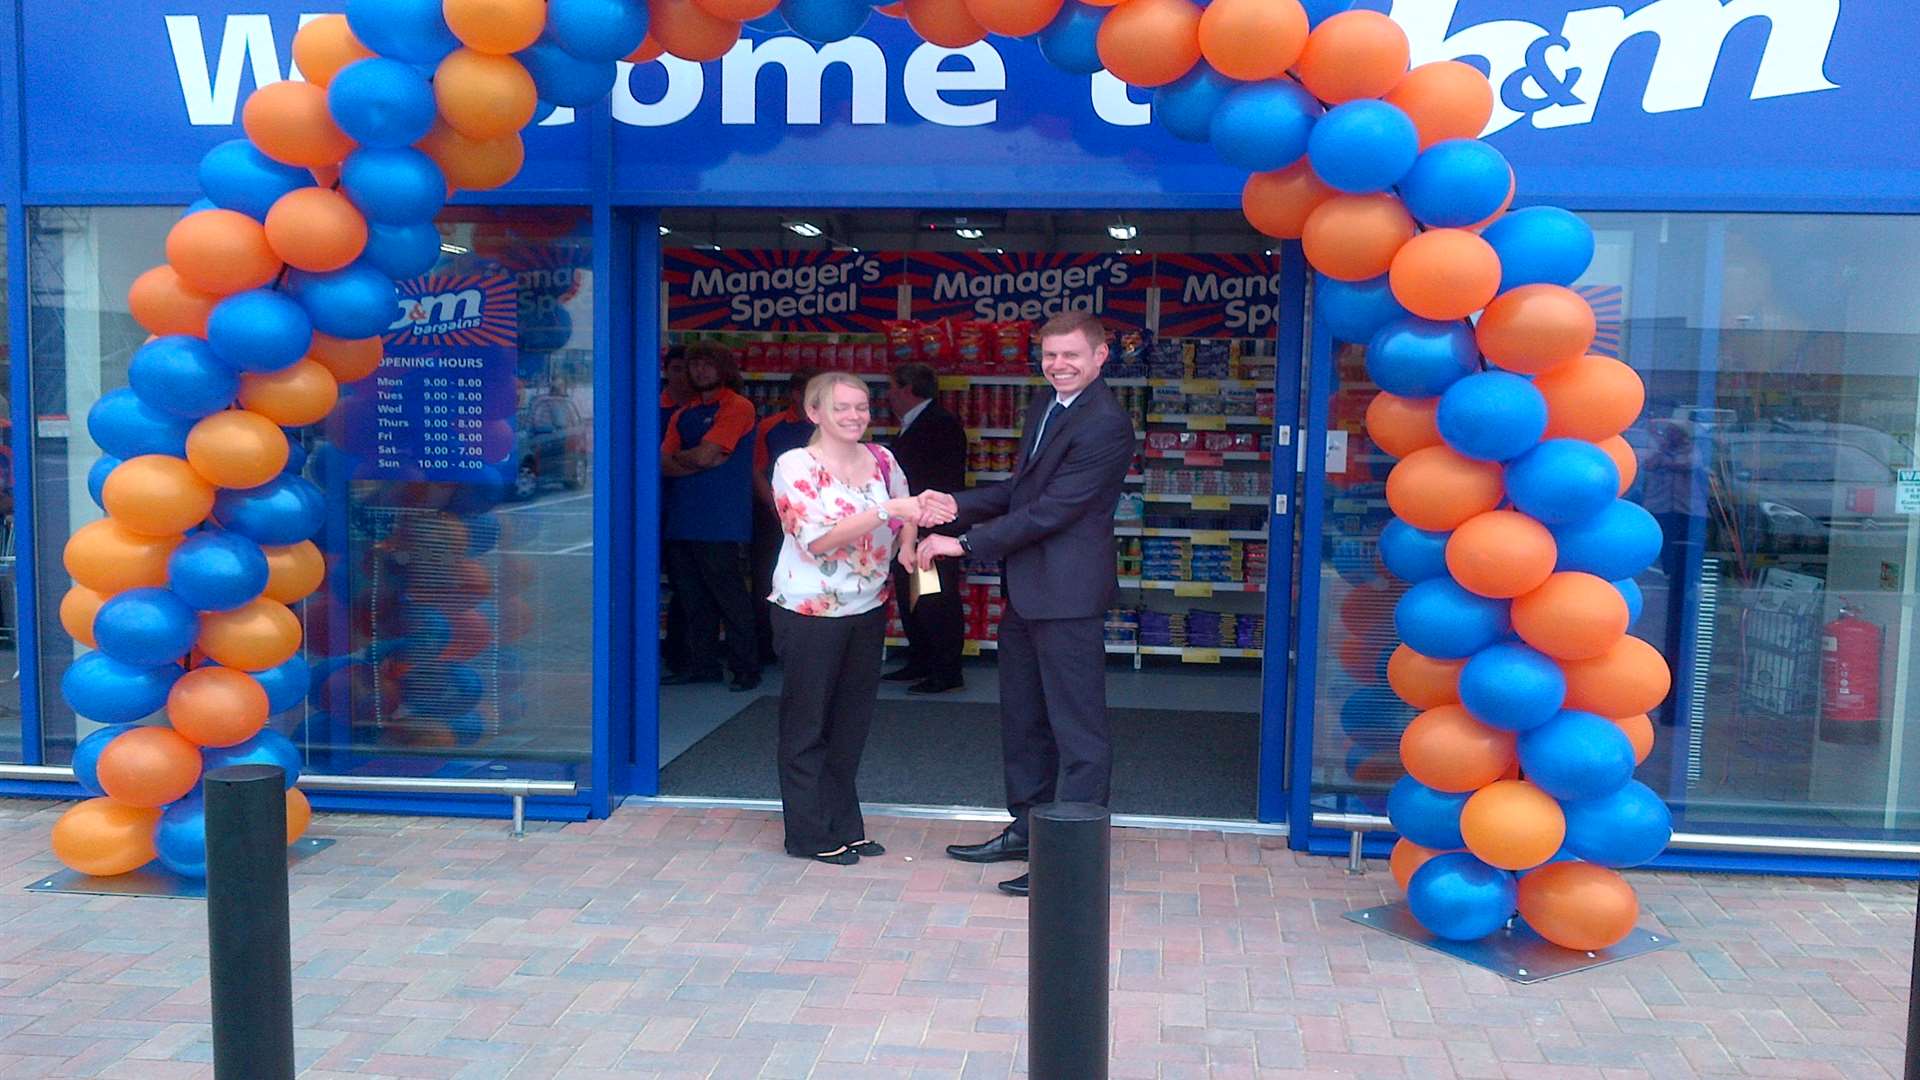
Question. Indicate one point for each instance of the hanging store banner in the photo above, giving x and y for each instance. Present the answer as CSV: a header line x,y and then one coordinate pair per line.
x,y
1218,296
758,289
1028,286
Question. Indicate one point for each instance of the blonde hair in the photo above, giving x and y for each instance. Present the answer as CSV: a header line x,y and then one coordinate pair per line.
x,y
820,394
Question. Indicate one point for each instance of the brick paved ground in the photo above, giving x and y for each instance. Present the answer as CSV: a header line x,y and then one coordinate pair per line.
x,y
680,943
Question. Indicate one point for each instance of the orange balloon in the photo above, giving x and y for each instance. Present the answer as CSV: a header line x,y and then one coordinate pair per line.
x,y
1591,398
495,26
77,610
946,23
104,838
1445,100
349,360
163,304
1149,42
1536,328
686,31
1631,677
1365,611
1013,18
1445,274
110,558
299,814
1513,825
1448,750
256,636
1639,729
294,571
471,164
648,51
316,229
149,766
237,448
1278,203
1623,457
291,397
220,252
324,46
290,123
1355,54
1421,681
1436,489
1571,616
1253,39
483,96
1360,658
1355,237
1401,425
1406,858
157,495
216,706
739,11
1501,554
1577,905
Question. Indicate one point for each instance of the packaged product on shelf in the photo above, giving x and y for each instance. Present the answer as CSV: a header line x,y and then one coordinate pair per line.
x,y
1239,401
936,345
903,340
1130,509
753,356
1012,346
1129,356
973,345
1263,404
1167,360
1213,359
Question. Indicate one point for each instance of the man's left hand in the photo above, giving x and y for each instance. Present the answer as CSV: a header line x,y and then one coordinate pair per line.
x,y
939,547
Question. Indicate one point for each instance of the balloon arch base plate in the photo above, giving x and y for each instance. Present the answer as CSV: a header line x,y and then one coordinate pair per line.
x,y
1515,953
155,880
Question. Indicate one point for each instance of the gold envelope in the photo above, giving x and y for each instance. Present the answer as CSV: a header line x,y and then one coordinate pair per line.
x,y
920,583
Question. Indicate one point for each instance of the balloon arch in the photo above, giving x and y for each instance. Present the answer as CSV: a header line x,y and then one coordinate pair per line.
x,y
1509,528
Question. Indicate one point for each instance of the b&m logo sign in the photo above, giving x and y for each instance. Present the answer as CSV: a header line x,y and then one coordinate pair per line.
x,y
798,291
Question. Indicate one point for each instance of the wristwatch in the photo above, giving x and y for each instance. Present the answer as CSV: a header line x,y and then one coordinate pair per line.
x,y
884,516
966,546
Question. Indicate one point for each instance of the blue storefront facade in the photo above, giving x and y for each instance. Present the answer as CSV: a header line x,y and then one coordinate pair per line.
x,y
1747,165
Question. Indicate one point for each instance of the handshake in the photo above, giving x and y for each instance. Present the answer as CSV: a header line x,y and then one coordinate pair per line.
x,y
926,509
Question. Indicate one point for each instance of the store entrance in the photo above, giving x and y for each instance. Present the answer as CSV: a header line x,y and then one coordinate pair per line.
x,y
1191,301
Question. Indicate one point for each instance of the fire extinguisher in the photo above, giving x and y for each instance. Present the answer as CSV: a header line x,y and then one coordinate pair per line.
x,y
1850,680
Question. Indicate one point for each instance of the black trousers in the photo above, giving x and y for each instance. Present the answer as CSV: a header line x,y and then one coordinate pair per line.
x,y
830,670
1053,713
706,575
767,540
936,627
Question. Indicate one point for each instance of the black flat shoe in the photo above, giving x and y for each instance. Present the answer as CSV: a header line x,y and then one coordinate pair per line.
x,y
866,849
905,674
842,857
934,686
744,683
1002,848
1016,887
687,678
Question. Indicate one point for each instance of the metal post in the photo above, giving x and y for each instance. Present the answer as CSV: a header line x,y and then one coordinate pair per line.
x,y
519,815
1069,926
1913,1005
249,941
1356,858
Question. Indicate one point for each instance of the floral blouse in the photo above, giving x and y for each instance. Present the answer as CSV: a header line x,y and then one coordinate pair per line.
x,y
852,579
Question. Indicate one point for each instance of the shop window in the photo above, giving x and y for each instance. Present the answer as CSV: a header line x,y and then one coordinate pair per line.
x,y
11,518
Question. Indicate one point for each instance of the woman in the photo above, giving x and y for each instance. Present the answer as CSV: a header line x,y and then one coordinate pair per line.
x,y
845,514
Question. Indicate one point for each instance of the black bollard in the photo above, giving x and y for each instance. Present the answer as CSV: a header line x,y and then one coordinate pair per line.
x,y
1913,1005
249,941
1069,923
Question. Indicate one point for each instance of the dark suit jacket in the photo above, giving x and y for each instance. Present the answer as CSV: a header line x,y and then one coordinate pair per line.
x,y
933,451
1052,522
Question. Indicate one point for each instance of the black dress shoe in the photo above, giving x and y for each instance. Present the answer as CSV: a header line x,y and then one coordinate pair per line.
x,y
935,686
1003,848
905,674
745,682
1016,887
687,678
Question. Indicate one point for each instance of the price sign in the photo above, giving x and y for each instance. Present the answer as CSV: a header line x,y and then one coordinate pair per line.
x,y
1207,387
1204,457
1200,656
1193,588
1211,502
1210,536
1206,423
971,648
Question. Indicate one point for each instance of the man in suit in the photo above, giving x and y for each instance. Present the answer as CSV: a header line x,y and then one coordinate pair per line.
x,y
932,449
1051,527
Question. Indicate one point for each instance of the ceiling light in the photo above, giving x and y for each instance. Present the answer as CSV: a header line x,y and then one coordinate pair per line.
x,y
805,228
706,247
845,247
1122,231
969,234
993,251
454,249
664,230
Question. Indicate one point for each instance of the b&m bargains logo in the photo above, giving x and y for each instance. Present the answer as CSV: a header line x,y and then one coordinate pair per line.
x,y
1551,75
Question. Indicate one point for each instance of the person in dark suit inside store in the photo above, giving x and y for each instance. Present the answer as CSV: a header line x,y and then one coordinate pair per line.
x,y
1050,526
932,448
675,391
778,433
709,504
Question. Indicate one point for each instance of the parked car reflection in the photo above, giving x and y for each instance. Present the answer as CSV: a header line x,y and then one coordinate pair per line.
x,y
550,447
1790,485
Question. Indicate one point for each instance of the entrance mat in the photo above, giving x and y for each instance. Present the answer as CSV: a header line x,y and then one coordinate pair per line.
x,y
156,880
1516,953
934,753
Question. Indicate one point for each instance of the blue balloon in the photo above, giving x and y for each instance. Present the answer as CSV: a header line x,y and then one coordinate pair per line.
x,y
214,570
1374,716
1492,416
1576,755
1440,619
180,837
355,302
1540,245
126,427
544,331
1618,542
825,20
284,510
483,533
441,689
1264,125
1354,561
1186,105
402,251
1628,827
146,627
1636,600
196,206
409,30
108,691
1563,480
1420,357
394,185
1070,41
286,685
428,633
259,330
601,30
182,375
86,759
1458,897
1426,817
269,747
1354,311
1512,687
563,78
1364,146
296,453
770,23
467,728
237,176
1413,555
1319,11
1457,183
382,103
97,475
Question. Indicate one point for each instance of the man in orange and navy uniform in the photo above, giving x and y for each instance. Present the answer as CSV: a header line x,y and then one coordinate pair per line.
x,y
675,391
778,433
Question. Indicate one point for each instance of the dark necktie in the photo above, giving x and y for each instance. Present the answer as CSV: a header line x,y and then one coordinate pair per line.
x,y
1046,425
